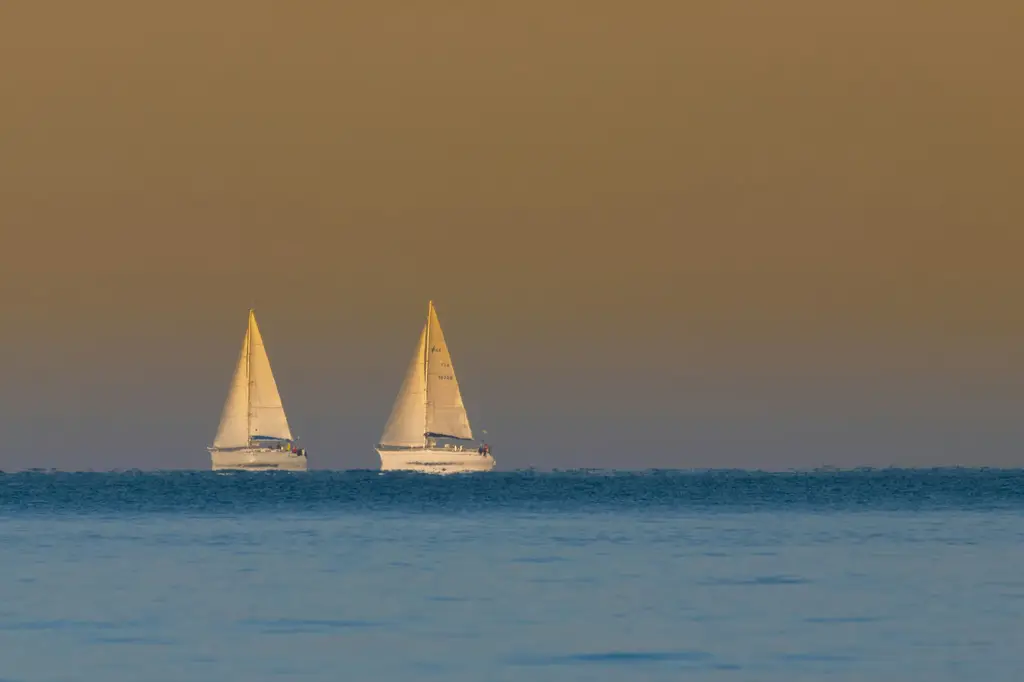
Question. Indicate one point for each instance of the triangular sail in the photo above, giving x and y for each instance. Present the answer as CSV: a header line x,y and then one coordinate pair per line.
x,y
407,422
233,431
446,415
253,407
266,413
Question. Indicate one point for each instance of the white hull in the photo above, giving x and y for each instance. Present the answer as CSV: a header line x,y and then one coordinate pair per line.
x,y
257,459
435,461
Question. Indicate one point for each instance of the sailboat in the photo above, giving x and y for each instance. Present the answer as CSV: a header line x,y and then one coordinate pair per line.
x,y
253,432
428,427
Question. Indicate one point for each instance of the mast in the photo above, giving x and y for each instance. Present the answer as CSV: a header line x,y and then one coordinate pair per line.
x,y
426,369
248,378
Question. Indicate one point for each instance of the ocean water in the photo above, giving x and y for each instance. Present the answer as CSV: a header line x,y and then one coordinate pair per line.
x,y
721,575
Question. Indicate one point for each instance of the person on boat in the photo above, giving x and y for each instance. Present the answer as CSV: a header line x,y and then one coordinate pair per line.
x,y
485,449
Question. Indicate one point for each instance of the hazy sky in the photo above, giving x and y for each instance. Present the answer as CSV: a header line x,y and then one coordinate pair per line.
x,y
759,234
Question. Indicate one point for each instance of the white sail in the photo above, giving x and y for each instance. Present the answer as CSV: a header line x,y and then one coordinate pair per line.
x,y
253,407
446,414
407,422
233,431
266,413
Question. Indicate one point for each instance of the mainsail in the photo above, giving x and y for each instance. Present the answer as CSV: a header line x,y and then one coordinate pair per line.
x,y
446,415
429,402
253,407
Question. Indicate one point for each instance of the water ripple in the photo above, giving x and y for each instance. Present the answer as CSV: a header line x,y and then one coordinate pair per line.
x,y
208,493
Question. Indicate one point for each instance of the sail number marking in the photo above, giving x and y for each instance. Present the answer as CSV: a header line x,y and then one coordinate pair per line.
x,y
445,365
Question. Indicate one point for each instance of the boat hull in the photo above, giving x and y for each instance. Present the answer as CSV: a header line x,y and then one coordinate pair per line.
x,y
257,459
435,461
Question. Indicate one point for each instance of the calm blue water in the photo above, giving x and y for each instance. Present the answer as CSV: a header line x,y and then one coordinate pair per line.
x,y
876,575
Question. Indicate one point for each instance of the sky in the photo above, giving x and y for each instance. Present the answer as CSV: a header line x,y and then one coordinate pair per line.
x,y
658,234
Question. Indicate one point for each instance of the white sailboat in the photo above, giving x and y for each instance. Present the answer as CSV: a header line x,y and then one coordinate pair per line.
x,y
253,432
428,425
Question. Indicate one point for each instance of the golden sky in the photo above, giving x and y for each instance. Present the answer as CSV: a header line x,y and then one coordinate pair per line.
x,y
657,233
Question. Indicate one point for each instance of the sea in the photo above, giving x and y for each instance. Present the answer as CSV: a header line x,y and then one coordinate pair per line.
x,y
866,575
